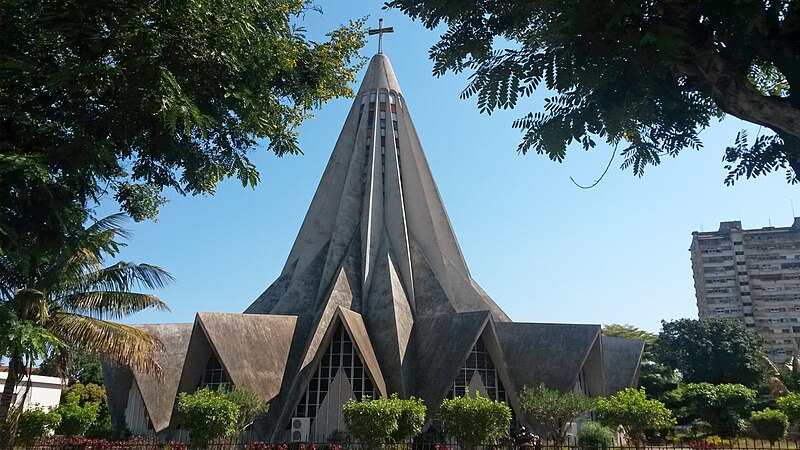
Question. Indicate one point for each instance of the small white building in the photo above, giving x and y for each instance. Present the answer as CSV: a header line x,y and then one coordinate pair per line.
x,y
44,391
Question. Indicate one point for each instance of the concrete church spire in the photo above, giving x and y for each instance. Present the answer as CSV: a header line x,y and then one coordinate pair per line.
x,y
378,186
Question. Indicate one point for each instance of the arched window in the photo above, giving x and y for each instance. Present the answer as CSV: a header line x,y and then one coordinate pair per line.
x,y
214,375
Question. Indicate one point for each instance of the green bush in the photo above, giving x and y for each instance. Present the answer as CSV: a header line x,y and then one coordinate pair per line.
x,y
770,424
250,406
213,414
411,418
475,420
34,424
91,393
208,415
594,436
723,406
373,422
76,418
790,405
638,415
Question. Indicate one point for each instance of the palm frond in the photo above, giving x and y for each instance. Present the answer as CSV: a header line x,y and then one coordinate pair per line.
x,y
123,344
112,304
114,222
71,273
126,276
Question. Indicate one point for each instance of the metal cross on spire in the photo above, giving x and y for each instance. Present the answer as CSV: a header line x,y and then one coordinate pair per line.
x,y
379,31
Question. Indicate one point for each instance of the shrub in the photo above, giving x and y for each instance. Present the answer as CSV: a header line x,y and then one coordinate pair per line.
x,y
214,414
34,424
594,436
474,420
91,393
372,422
377,421
637,414
208,415
723,406
770,424
76,418
790,405
250,406
411,417
553,409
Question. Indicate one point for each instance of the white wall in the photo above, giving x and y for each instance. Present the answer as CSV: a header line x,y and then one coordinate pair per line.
x,y
44,391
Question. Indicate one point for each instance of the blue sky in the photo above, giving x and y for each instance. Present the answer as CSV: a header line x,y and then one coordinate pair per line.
x,y
545,250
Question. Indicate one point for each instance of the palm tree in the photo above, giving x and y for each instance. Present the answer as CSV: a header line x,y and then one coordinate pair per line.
x,y
69,304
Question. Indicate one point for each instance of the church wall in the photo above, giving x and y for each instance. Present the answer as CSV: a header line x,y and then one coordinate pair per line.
x,y
136,418
329,417
593,369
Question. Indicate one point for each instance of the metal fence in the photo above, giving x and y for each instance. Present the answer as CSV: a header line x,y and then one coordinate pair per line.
x,y
151,444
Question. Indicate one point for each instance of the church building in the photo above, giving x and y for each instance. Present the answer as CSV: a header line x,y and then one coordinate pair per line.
x,y
375,298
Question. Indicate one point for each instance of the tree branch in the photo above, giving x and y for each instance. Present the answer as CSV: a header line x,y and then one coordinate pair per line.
x,y
735,95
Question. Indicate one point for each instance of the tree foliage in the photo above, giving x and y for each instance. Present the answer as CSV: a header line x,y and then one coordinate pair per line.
x,y
83,368
716,351
128,98
638,415
630,332
76,416
70,303
723,406
770,424
472,421
91,393
790,405
554,410
646,75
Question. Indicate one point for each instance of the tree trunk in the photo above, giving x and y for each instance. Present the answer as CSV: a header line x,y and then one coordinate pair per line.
x,y
14,375
734,93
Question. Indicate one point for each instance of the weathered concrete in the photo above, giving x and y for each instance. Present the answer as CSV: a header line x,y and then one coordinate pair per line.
x,y
621,361
253,348
442,345
548,353
158,394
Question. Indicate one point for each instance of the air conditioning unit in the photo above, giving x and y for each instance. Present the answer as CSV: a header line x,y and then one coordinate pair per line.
x,y
301,429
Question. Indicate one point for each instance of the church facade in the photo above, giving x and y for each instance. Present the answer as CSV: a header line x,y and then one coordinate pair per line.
x,y
375,298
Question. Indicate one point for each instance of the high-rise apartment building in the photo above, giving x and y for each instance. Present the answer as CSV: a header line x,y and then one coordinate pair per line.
x,y
753,276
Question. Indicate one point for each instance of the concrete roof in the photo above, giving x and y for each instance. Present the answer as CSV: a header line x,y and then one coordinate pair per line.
x,y
253,348
548,353
621,360
159,395
442,345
